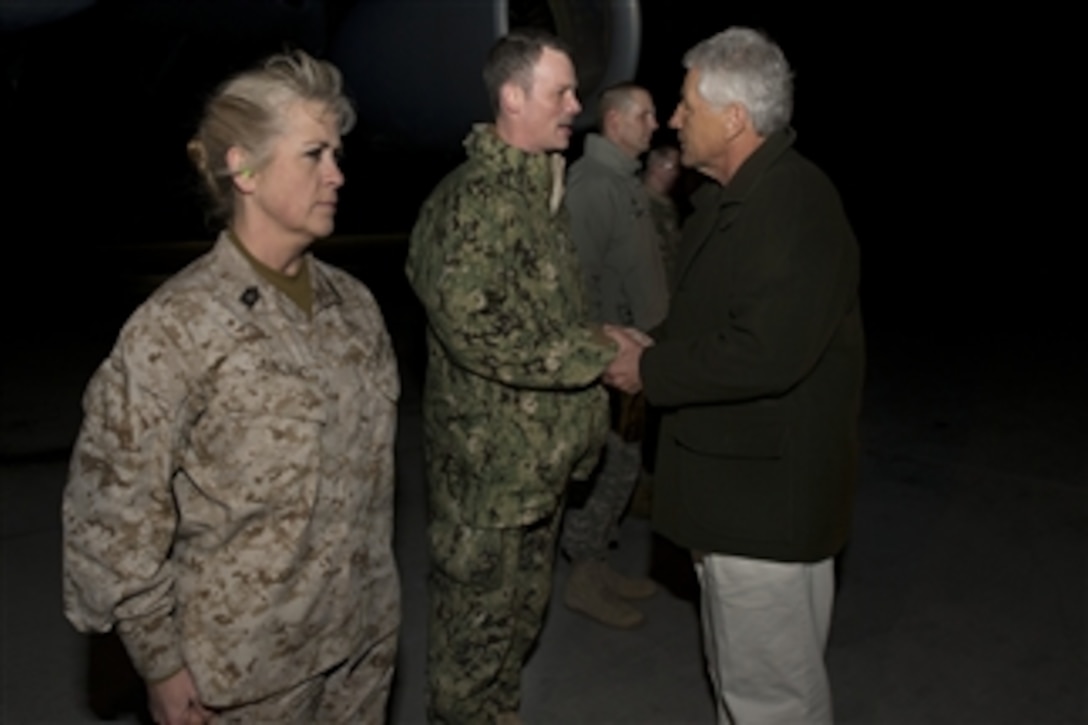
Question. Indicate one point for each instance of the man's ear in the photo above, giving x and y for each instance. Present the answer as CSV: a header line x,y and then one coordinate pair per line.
x,y
512,98
609,119
736,119
238,162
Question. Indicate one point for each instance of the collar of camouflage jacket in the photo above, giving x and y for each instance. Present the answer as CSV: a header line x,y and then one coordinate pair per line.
x,y
540,173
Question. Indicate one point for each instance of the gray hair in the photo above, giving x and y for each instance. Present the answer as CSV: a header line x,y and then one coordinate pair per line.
x,y
247,111
741,65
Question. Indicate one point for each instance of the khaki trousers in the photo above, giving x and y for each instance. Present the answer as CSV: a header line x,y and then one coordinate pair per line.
x,y
765,628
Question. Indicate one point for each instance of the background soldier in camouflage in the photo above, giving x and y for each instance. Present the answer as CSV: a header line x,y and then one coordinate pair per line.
x,y
620,256
230,502
512,405
659,178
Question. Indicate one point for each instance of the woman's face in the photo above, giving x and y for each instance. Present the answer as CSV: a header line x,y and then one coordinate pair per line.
x,y
294,193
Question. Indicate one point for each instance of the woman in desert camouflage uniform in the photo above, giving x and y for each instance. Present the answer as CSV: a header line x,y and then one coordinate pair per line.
x,y
229,505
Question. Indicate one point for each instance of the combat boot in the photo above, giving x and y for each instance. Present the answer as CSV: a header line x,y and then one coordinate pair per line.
x,y
587,592
627,587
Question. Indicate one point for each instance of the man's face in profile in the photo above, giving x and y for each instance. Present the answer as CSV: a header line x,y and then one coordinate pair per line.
x,y
548,108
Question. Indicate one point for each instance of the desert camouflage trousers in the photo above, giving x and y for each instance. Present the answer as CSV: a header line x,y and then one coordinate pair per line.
x,y
488,592
588,530
355,691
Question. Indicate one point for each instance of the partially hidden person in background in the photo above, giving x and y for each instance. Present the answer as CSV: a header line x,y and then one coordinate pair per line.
x,y
624,276
661,172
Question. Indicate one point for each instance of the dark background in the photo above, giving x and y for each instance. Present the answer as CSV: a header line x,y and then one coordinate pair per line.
x,y
96,108
970,546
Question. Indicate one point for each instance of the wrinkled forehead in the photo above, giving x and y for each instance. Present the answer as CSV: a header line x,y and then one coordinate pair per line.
x,y
309,118
690,89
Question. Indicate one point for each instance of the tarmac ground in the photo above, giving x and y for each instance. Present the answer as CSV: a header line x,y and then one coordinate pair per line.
x,y
961,596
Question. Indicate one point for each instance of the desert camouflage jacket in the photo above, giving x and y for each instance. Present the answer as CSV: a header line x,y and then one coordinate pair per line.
x,y
513,406
229,506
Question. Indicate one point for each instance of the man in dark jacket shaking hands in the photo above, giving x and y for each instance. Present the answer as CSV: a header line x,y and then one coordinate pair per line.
x,y
758,373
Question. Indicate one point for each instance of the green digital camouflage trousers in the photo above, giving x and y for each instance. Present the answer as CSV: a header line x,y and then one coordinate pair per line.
x,y
489,589
588,530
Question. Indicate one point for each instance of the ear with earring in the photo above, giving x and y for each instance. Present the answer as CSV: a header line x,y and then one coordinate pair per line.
x,y
237,163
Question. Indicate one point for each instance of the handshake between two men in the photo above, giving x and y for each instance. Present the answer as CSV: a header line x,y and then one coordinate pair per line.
x,y
623,372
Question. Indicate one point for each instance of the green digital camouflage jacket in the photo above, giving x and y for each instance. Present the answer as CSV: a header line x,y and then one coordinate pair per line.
x,y
513,407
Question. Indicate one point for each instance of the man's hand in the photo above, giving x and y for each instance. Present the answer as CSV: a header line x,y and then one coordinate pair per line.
x,y
623,372
635,334
175,701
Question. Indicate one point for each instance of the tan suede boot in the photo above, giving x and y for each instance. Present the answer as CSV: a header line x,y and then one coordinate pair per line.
x,y
508,718
628,587
587,592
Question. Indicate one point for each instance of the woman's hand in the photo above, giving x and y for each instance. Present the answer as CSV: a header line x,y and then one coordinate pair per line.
x,y
175,701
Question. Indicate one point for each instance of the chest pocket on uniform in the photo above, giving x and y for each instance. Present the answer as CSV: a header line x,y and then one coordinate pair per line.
x,y
257,441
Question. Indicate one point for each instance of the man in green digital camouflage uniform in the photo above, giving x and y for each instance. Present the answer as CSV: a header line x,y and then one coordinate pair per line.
x,y
512,403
